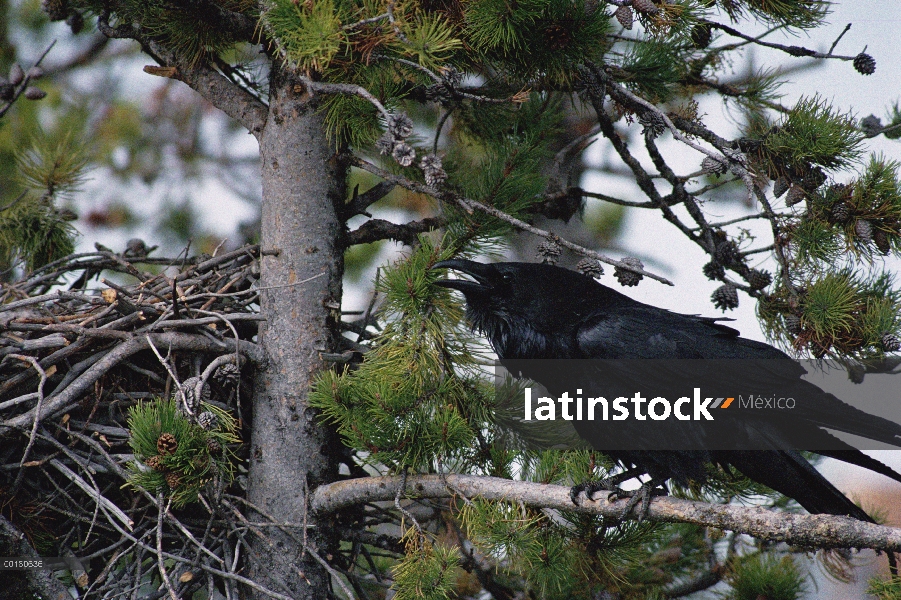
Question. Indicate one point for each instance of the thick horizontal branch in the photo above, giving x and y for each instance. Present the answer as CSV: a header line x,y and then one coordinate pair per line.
x,y
82,383
380,229
812,531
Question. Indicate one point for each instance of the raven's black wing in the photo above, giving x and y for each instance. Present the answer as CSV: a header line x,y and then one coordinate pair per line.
x,y
645,332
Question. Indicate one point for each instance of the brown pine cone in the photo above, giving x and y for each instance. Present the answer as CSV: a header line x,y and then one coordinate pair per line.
x,y
166,444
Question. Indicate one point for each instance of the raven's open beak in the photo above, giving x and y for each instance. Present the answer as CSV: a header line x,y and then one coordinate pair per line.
x,y
484,275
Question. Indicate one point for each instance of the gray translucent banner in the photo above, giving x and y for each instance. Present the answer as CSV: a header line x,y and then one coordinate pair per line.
x,y
42,563
703,404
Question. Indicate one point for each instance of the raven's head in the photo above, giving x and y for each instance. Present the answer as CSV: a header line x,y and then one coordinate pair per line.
x,y
524,309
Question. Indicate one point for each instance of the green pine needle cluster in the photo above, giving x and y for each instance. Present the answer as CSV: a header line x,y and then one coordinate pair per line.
x,y
309,32
33,232
568,33
186,30
54,168
355,121
649,69
192,464
845,311
427,572
813,133
889,589
842,311
408,405
766,575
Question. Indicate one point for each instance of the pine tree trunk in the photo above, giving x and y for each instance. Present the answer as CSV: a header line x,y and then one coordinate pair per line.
x,y
291,453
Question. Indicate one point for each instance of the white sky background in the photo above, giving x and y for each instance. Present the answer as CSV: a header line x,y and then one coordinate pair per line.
x,y
876,24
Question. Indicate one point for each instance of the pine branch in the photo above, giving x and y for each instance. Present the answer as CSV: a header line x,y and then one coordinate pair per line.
x,y
472,205
360,202
792,50
817,531
233,100
380,229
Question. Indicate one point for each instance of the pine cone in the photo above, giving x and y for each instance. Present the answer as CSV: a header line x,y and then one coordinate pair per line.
x,y
624,15
438,93
207,420
864,231
840,213
186,393
880,238
871,125
714,270
56,10
865,64
856,374
213,445
795,194
75,22
166,444
16,74
813,179
404,154
135,247
173,480
400,126
590,267
626,277
712,166
759,279
652,124
725,297
793,324
549,252
891,343
781,186
726,253
645,6
385,144
431,167
155,463
227,375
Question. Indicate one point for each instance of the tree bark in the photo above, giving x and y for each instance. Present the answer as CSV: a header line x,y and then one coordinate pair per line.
x,y
291,453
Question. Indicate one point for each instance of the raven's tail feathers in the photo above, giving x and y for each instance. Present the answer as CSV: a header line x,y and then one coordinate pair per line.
x,y
790,474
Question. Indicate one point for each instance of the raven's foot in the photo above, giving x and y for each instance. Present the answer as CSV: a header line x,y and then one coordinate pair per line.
x,y
608,484
642,495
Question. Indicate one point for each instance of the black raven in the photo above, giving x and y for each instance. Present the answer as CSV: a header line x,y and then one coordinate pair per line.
x,y
539,311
